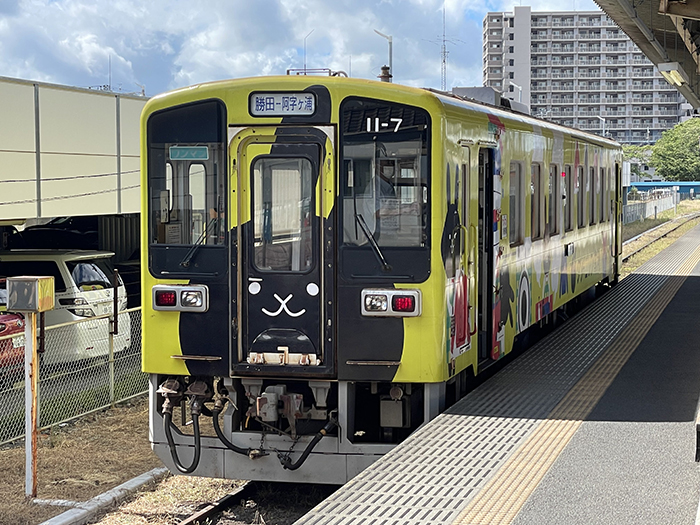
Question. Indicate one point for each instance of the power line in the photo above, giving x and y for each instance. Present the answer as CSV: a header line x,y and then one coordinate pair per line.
x,y
66,197
71,177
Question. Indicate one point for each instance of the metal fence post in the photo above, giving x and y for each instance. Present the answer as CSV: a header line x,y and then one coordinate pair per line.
x,y
111,360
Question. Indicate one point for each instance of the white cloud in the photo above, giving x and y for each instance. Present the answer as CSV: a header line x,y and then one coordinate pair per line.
x,y
166,44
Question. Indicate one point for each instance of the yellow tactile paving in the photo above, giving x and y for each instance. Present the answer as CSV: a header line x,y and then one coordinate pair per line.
x,y
504,495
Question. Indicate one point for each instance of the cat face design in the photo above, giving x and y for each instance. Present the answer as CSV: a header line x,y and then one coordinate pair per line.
x,y
255,287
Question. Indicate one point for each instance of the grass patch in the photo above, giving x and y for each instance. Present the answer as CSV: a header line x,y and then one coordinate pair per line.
x,y
637,228
78,461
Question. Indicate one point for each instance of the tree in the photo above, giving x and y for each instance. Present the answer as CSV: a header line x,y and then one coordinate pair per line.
x,y
637,155
676,156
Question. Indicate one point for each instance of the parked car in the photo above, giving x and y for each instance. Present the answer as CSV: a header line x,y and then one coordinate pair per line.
x,y
83,290
11,349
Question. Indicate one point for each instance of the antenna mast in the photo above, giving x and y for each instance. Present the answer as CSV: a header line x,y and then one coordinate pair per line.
x,y
444,52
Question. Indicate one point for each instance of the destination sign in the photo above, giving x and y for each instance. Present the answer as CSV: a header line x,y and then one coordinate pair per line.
x,y
189,153
282,104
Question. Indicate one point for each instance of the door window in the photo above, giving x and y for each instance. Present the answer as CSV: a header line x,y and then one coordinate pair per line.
x,y
282,193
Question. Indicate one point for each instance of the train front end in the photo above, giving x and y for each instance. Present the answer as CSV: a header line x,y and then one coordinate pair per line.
x,y
287,227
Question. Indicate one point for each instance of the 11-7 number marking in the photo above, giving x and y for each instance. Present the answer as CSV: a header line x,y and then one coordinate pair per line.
x,y
374,125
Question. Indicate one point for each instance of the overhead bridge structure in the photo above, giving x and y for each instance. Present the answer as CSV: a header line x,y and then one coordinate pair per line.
x,y
668,33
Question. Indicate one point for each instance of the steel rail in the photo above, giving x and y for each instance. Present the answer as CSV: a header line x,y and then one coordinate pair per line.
x,y
208,513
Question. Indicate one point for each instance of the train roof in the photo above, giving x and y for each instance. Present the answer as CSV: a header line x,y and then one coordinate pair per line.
x,y
444,97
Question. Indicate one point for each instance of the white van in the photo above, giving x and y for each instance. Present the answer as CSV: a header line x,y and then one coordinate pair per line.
x,y
83,290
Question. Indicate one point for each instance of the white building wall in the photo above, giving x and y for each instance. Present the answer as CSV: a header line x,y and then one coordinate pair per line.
x,y
61,153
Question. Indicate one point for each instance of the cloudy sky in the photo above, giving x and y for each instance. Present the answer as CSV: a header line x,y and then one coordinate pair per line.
x,y
165,44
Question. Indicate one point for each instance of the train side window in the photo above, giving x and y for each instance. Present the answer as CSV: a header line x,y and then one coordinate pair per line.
x,y
554,199
516,209
608,198
603,195
568,199
581,208
536,202
591,186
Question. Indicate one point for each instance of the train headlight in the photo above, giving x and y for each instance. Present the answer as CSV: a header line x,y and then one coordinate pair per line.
x,y
376,303
181,298
192,299
391,303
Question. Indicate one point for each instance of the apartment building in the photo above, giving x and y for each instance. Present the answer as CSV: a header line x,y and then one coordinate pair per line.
x,y
579,69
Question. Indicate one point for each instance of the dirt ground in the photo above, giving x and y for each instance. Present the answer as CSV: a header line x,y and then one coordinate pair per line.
x,y
77,462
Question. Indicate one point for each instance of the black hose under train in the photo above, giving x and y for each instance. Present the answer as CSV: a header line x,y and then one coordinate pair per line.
x,y
217,428
287,463
167,424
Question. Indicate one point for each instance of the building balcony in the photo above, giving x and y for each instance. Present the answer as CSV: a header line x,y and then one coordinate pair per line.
x,y
594,87
614,49
614,87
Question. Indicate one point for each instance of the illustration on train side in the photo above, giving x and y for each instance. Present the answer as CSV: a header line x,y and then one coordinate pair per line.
x,y
332,261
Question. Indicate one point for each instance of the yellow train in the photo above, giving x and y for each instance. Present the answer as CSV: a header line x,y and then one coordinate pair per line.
x,y
329,262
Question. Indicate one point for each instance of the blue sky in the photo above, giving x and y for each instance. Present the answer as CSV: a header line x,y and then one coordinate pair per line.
x,y
165,44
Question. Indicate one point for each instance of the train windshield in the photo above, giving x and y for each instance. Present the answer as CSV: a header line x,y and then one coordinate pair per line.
x,y
187,175
385,177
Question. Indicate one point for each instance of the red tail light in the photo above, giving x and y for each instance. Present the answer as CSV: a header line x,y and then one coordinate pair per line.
x,y
166,298
403,303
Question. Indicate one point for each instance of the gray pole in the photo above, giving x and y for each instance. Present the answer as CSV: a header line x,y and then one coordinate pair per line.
x,y
391,41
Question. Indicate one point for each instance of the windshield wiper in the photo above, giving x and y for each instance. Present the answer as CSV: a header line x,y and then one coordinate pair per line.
x,y
187,259
359,219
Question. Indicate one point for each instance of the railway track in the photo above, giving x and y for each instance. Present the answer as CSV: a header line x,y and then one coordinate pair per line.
x,y
681,222
257,503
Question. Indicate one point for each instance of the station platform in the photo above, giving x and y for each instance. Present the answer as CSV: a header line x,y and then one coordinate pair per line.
x,y
593,425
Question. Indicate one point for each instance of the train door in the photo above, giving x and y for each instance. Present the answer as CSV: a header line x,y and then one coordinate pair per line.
x,y
485,247
281,289
617,220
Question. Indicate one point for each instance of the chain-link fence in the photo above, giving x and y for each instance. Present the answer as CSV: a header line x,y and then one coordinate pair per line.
x,y
83,368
